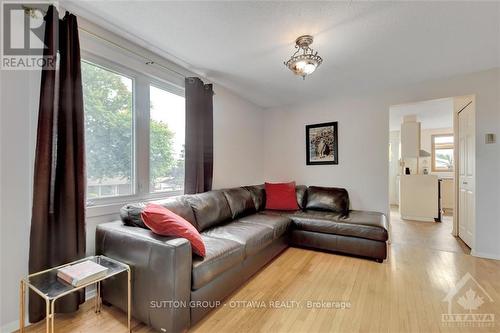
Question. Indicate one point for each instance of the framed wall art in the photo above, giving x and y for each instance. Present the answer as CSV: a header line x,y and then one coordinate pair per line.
x,y
322,144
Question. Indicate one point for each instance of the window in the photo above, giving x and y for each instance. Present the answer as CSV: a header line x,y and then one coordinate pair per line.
x,y
166,137
108,132
442,153
134,134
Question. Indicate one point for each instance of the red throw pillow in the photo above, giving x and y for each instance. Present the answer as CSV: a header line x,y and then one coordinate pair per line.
x,y
281,196
164,222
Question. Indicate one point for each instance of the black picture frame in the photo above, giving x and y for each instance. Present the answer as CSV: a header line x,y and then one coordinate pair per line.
x,y
327,134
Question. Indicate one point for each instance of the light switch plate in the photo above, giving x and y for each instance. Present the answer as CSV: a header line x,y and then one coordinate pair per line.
x,y
490,138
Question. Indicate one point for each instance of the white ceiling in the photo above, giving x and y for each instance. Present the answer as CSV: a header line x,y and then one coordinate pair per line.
x,y
365,45
436,113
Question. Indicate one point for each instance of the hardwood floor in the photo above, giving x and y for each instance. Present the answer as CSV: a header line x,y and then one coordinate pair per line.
x,y
430,235
404,294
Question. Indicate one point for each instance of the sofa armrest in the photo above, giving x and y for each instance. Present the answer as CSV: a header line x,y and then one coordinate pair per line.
x,y
161,275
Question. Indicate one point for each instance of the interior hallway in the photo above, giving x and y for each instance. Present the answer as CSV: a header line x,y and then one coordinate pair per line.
x,y
427,235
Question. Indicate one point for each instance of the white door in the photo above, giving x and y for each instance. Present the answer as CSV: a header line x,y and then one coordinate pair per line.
x,y
466,164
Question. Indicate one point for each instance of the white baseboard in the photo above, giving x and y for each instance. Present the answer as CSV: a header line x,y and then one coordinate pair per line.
x,y
14,325
485,255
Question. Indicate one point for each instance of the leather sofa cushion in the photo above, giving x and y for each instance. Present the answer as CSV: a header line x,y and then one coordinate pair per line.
x,y
258,193
221,255
210,208
240,201
301,192
329,199
254,237
361,224
279,224
131,213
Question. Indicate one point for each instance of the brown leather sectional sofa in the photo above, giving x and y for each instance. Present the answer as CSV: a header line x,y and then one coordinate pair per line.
x,y
172,289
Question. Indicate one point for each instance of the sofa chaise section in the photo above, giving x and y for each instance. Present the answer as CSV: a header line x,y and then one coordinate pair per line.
x,y
361,224
327,223
362,233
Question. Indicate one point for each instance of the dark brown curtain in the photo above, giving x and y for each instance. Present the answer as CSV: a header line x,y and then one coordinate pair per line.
x,y
58,215
199,136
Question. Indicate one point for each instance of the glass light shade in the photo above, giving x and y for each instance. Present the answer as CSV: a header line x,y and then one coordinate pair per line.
x,y
300,66
309,68
304,67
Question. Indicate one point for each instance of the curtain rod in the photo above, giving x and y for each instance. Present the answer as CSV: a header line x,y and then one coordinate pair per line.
x,y
148,62
32,12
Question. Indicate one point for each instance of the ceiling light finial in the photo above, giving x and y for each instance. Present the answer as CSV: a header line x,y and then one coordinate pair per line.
x,y
305,62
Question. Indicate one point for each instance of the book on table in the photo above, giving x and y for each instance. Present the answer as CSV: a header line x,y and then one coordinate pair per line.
x,y
82,273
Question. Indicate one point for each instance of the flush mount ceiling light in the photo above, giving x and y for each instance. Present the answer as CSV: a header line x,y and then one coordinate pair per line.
x,y
304,61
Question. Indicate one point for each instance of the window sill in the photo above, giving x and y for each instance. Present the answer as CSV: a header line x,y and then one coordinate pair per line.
x,y
110,206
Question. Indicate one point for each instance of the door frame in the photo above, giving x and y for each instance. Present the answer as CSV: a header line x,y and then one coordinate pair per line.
x,y
459,103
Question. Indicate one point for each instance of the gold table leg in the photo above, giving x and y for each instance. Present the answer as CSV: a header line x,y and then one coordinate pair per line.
x,y
47,316
52,315
97,300
128,299
22,296
100,298
98,295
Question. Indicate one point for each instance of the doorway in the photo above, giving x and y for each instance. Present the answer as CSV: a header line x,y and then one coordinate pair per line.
x,y
426,166
465,173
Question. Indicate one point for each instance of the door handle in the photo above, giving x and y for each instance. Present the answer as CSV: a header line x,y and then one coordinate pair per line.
x,y
465,183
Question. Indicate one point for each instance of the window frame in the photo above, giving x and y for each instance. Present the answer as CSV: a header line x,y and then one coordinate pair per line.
x,y
140,135
159,85
123,71
435,146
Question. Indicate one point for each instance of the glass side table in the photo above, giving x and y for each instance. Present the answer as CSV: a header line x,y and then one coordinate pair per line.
x,y
51,288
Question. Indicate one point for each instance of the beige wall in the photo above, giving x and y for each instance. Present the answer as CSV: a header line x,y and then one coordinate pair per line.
x,y
238,140
17,141
363,133
394,167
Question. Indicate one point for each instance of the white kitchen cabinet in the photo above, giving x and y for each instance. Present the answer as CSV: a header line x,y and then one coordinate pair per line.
x,y
410,139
